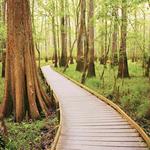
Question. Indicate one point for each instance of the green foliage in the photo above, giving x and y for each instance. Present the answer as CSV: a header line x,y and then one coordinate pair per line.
x,y
21,135
2,32
2,143
143,109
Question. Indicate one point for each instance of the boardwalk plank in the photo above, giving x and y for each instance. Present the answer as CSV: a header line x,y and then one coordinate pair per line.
x,y
98,138
104,143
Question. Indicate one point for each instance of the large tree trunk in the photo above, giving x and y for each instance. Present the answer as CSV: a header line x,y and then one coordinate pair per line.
x,y
80,57
123,63
23,93
91,65
63,59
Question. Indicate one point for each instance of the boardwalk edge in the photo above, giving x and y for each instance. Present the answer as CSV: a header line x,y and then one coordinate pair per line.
x,y
56,139
115,106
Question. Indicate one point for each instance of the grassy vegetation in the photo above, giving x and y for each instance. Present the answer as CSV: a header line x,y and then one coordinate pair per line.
x,y
28,134
132,95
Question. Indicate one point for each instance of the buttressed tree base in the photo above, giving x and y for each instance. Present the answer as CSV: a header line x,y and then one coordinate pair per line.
x,y
23,93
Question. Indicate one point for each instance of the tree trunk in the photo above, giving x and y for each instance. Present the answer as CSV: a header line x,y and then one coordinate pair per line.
x,y
23,93
91,65
115,38
86,52
85,48
70,42
2,20
106,38
54,36
123,62
34,32
101,59
63,59
3,63
134,57
80,57
144,40
58,32
147,72
46,51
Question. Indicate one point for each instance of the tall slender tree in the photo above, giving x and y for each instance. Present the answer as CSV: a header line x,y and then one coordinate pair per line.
x,y
91,65
135,30
63,59
123,62
57,30
2,37
70,41
85,46
23,93
80,57
115,37
54,33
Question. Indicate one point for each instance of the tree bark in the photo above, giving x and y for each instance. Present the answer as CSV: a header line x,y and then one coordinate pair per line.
x,y
80,57
85,48
123,62
102,56
46,50
134,57
58,31
63,59
23,93
70,41
115,38
54,36
91,65
3,63
147,72
2,20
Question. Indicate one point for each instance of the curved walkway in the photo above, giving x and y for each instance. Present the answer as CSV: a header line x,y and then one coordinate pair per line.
x,y
87,123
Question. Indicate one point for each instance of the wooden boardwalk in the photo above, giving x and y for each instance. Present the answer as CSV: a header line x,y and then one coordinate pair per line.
x,y
87,122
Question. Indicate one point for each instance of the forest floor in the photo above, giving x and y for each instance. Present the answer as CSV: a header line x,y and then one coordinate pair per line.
x,y
29,134
132,94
